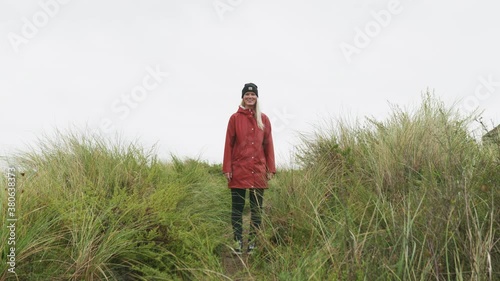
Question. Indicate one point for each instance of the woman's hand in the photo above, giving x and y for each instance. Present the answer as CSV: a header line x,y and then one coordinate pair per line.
x,y
228,176
270,176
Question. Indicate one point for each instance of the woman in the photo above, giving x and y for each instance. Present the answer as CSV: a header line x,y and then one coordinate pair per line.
x,y
248,163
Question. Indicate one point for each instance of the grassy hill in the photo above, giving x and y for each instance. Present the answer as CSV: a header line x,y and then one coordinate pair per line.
x,y
413,197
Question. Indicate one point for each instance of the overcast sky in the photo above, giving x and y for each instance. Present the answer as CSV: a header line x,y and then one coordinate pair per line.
x,y
171,71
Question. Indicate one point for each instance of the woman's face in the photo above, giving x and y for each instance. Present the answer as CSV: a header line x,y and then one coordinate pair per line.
x,y
249,99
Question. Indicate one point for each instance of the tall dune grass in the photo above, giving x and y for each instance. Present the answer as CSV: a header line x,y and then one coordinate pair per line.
x,y
94,210
413,197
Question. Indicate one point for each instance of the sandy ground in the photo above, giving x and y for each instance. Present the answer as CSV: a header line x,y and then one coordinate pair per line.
x,y
237,267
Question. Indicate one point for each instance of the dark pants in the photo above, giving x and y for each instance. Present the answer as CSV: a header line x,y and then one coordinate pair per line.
x,y
238,203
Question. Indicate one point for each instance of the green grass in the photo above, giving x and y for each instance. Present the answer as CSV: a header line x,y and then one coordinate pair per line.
x,y
413,197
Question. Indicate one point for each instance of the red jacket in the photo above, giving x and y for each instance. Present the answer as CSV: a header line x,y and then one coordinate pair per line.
x,y
249,151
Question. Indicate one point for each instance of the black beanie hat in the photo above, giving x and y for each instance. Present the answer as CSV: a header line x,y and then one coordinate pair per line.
x,y
249,87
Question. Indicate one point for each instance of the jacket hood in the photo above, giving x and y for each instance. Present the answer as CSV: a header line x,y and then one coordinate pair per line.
x,y
244,110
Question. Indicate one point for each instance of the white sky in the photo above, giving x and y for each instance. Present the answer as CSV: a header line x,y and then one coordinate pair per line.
x,y
69,63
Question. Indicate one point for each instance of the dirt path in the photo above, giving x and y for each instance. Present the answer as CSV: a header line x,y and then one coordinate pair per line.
x,y
236,267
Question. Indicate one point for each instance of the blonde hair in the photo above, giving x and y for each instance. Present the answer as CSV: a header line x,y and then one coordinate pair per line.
x,y
257,114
